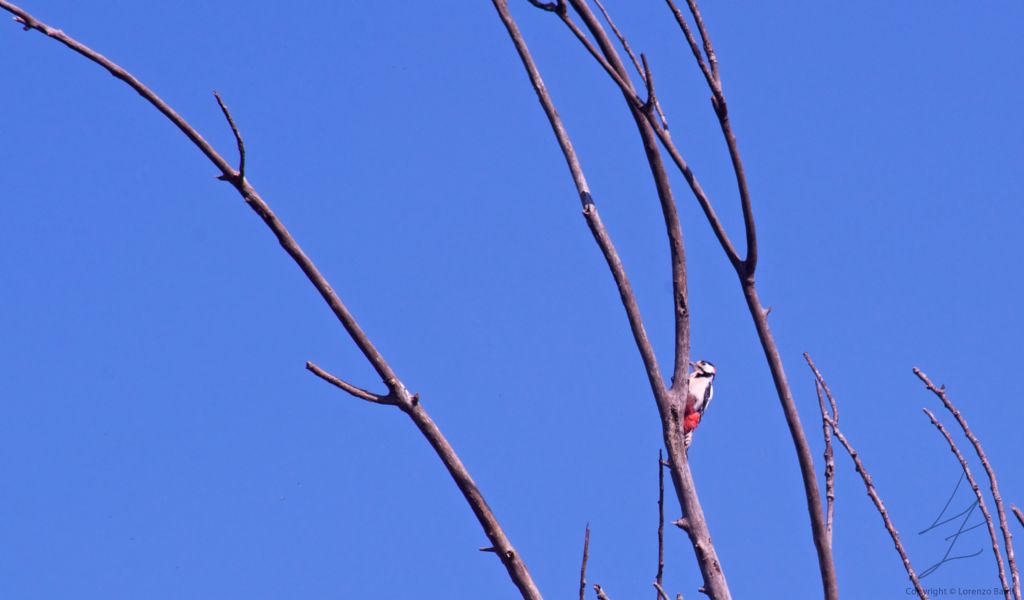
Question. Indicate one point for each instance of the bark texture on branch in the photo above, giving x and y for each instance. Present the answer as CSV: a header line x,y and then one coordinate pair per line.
x,y
940,393
397,393
669,400
980,498
606,56
869,483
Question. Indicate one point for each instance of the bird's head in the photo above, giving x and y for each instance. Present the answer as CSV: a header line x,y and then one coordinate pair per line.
x,y
703,368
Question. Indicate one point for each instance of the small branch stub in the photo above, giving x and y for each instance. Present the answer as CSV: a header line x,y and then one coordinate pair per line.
x,y
583,564
356,391
240,174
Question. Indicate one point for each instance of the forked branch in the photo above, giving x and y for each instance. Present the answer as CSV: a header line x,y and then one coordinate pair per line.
x,y
873,493
661,591
980,498
869,484
356,391
940,393
668,400
660,573
238,135
397,392
830,464
608,59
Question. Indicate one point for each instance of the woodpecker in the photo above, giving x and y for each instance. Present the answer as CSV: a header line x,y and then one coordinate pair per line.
x,y
698,397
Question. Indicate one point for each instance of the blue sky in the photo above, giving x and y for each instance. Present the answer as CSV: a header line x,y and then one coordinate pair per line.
x,y
161,438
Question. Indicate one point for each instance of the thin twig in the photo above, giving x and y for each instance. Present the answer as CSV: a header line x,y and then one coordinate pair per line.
x,y
600,593
659,576
621,38
940,392
1018,514
705,38
356,391
669,404
981,501
824,385
238,135
718,102
668,400
590,211
745,271
692,41
652,97
666,140
832,424
873,493
647,126
665,137
583,564
229,174
830,464
661,591
632,57
397,391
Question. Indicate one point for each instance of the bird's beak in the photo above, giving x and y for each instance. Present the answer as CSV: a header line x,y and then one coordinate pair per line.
x,y
693,364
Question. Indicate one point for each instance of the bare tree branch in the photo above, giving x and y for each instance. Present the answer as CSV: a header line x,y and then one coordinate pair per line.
x,y
590,212
621,38
940,392
583,564
661,591
705,38
356,391
747,266
745,269
830,465
873,493
646,126
868,483
692,41
238,135
666,139
981,501
658,578
670,406
397,392
718,102
632,57
1018,514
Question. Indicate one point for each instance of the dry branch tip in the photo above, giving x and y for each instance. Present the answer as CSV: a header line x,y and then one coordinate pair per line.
x,y
661,591
339,383
238,176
